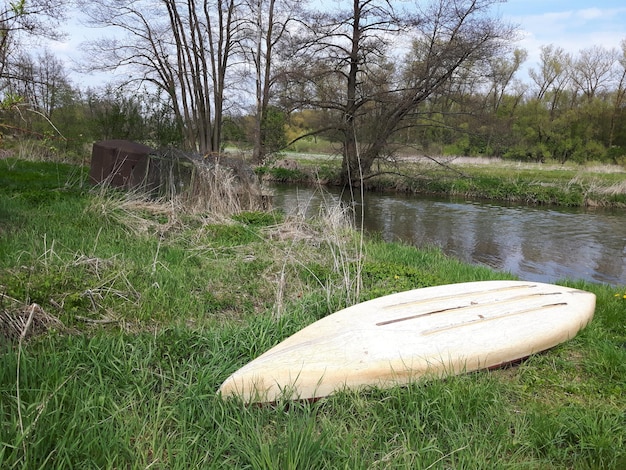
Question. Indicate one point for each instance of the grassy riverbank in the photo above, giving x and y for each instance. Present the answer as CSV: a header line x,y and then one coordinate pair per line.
x,y
489,179
137,311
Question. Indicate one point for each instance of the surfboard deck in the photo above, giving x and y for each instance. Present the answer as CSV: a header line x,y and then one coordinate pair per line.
x,y
429,332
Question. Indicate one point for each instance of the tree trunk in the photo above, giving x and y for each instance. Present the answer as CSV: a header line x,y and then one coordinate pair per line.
x,y
351,169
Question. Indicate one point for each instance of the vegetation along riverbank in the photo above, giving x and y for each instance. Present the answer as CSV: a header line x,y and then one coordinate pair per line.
x,y
120,316
573,185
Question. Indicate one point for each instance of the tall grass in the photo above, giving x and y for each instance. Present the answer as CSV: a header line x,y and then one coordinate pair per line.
x,y
151,322
324,249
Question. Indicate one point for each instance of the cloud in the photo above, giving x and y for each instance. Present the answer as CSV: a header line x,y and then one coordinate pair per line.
x,y
573,29
591,13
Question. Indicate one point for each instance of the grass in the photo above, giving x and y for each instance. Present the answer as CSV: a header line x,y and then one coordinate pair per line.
x,y
487,179
155,307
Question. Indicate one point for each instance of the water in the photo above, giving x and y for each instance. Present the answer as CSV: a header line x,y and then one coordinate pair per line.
x,y
533,243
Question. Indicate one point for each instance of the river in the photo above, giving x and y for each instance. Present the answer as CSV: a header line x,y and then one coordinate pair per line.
x,y
534,243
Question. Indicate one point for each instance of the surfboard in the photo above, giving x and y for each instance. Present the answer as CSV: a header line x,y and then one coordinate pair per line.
x,y
427,333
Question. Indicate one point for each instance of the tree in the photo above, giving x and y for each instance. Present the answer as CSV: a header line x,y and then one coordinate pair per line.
x,y
19,21
343,63
553,77
502,69
266,30
44,101
144,117
553,71
41,81
273,130
593,70
619,101
115,115
335,55
184,49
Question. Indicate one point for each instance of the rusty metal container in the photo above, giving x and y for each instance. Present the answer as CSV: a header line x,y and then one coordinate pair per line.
x,y
120,163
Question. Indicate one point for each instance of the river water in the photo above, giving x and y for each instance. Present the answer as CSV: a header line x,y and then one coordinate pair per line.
x,y
534,243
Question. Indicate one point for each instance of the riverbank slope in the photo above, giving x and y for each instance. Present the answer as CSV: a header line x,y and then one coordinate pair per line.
x,y
120,317
476,178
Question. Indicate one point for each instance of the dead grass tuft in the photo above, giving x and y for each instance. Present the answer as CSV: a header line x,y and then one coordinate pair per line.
x,y
218,191
328,240
214,193
597,186
614,189
294,229
19,322
136,211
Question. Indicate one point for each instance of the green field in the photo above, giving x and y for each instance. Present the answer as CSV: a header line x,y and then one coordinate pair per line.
x,y
120,317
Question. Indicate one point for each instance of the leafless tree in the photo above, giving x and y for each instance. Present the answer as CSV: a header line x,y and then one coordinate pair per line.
x,y
619,100
344,65
42,82
593,70
21,20
553,75
552,71
267,28
502,70
182,48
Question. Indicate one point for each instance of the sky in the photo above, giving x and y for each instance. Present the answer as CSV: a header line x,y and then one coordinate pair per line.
x,y
570,24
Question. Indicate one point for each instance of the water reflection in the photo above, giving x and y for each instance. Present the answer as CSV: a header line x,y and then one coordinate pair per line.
x,y
536,244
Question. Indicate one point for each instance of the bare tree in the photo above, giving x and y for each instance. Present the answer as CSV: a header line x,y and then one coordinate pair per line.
x,y
553,76
619,94
41,81
21,20
267,28
344,64
502,69
593,70
552,68
182,48
335,65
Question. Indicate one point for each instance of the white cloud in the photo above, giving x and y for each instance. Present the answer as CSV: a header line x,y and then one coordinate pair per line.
x,y
591,13
572,30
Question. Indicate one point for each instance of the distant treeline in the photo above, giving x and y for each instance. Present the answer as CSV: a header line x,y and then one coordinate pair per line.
x,y
362,79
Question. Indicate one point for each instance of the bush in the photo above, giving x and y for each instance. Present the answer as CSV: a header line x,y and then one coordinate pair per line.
x,y
617,155
591,151
286,175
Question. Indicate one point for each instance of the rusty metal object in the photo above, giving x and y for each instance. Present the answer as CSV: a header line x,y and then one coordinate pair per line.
x,y
120,163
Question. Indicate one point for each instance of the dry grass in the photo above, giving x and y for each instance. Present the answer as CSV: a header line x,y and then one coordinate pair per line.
x,y
215,193
341,253
19,322
136,211
597,186
605,168
614,189
327,242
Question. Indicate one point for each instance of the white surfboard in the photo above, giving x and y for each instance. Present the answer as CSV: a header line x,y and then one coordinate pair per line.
x,y
429,332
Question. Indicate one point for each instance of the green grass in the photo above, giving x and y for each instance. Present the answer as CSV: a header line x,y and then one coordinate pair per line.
x,y
159,306
499,180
